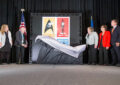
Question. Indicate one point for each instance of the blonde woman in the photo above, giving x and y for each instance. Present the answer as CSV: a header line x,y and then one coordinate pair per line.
x,y
5,43
92,43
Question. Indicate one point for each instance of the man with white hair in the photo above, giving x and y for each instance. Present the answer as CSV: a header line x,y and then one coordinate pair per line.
x,y
20,44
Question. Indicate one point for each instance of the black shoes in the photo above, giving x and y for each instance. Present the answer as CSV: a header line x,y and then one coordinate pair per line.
x,y
0,62
20,62
91,63
118,65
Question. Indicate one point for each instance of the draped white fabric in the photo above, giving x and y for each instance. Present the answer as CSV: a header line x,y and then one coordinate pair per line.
x,y
72,51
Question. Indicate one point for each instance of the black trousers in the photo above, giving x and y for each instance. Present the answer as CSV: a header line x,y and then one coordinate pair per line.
x,y
5,55
20,54
115,51
103,56
92,54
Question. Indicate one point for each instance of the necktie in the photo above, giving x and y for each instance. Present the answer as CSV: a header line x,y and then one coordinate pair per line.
x,y
112,30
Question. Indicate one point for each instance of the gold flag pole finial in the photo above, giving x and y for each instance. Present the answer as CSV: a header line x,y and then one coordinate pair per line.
x,y
91,17
22,10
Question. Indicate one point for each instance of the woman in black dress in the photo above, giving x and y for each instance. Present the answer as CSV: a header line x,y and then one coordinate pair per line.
x,y
5,43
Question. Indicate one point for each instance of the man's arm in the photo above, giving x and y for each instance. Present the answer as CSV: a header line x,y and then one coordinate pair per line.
x,y
18,40
118,34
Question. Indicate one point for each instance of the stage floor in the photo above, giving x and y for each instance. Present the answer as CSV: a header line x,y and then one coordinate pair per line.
x,y
59,75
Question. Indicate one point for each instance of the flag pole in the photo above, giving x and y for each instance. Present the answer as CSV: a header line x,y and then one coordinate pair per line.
x,y
22,10
92,25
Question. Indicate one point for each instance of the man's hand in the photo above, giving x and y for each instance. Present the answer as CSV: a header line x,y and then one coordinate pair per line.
x,y
24,45
117,44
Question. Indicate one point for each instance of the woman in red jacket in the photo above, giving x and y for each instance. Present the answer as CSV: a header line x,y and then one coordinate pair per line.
x,y
104,45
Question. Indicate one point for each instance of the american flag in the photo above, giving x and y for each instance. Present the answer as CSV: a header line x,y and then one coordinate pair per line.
x,y
22,24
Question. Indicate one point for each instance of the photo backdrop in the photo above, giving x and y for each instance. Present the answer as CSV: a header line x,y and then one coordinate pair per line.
x,y
57,28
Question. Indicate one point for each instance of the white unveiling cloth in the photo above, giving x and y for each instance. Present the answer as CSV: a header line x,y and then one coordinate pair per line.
x,y
72,51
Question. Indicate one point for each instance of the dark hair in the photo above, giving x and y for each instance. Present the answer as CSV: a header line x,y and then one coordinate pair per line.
x,y
104,26
115,20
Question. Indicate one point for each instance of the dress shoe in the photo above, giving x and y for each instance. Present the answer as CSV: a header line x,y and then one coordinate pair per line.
x,y
118,65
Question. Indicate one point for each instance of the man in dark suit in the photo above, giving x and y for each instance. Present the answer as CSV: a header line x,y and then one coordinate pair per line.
x,y
115,42
20,44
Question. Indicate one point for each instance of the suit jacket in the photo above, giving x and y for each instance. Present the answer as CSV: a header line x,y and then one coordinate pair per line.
x,y
18,40
105,40
115,35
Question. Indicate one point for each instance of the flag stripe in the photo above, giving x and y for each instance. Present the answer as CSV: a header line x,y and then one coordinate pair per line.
x,y
22,24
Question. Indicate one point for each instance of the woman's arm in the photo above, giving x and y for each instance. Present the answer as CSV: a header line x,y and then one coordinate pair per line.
x,y
0,39
108,39
10,37
96,39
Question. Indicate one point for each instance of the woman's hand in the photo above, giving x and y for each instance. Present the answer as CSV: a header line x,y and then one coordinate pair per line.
x,y
95,46
0,44
107,48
